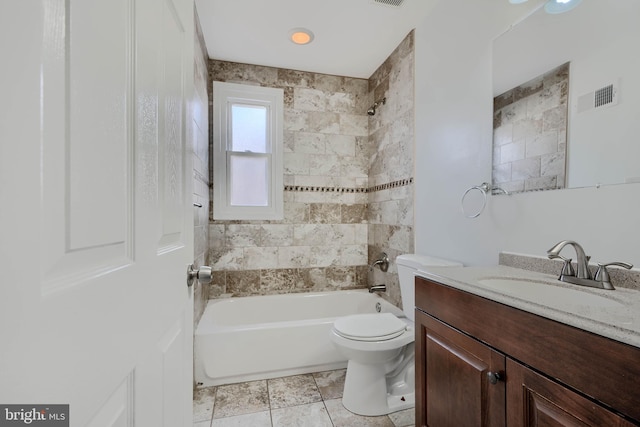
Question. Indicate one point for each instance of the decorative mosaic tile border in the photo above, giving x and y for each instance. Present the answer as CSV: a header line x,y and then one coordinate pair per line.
x,y
388,185
324,189
393,184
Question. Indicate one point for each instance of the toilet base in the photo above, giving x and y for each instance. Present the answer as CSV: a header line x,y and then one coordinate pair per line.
x,y
371,389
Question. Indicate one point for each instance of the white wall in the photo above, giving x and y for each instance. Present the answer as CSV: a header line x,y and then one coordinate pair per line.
x,y
453,152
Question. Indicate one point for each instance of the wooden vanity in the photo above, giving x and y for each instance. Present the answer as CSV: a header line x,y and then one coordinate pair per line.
x,y
484,363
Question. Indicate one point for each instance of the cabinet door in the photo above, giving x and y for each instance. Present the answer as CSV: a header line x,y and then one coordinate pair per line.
x,y
453,387
536,401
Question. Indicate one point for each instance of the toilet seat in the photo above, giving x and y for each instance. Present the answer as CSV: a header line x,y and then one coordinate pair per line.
x,y
370,327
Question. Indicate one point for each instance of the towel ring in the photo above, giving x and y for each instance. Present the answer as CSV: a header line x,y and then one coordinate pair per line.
x,y
484,188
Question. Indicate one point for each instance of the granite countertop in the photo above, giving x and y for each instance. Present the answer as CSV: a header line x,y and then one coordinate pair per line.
x,y
617,318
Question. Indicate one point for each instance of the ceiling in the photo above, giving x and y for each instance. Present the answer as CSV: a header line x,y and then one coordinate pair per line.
x,y
352,37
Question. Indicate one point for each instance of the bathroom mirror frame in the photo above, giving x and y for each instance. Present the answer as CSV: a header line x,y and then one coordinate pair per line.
x,y
597,38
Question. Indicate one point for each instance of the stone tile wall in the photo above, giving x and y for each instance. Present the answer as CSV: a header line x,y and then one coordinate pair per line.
x,y
322,242
530,134
391,165
198,129
348,184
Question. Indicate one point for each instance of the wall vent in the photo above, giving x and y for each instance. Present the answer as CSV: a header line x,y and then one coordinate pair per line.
x,y
606,96
394,3
603,96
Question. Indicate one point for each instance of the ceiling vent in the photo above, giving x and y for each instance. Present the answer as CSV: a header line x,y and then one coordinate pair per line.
x,y
606,96
394,3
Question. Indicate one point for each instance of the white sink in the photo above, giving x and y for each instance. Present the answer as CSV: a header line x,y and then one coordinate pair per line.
x,y
549,294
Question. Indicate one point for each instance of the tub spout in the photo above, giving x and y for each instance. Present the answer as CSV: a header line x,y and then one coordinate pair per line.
x,y
378,288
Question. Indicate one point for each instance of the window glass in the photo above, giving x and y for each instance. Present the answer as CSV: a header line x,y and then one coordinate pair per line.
x,y
249,128
249,180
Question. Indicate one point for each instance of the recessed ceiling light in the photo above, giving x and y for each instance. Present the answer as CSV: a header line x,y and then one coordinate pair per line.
x,y
560,6
301,36
554,6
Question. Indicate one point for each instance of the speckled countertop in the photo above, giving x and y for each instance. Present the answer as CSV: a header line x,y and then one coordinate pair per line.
x,y
615,316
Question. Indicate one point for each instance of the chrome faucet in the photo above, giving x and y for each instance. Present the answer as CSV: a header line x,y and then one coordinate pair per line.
x,y
382,261
581,259
378,288
583,277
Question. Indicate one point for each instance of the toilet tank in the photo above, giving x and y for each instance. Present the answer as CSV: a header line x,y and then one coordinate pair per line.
x,y
407,266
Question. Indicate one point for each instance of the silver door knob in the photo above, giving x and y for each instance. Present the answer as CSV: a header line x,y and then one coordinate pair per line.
x,y
203,274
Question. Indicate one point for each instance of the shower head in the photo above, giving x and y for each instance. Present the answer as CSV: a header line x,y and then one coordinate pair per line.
x,y
372,111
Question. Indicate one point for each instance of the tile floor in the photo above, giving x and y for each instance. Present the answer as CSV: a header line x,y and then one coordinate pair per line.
x,y
310,400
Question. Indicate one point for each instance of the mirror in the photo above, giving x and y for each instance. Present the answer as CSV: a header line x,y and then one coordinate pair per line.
x,y
599,142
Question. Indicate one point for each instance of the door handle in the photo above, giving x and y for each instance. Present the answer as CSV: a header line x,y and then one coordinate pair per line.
x,y
203,274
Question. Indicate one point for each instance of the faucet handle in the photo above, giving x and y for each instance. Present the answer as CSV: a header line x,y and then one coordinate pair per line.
x,y
602,274
567,268
382,261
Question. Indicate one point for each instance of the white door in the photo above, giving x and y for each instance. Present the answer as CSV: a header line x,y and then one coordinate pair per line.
x,y
96,220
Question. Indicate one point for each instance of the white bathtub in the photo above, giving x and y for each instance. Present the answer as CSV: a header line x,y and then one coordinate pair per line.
x,y
261,337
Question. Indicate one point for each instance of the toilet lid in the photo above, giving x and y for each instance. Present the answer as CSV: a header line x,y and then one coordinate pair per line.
x,y
370,327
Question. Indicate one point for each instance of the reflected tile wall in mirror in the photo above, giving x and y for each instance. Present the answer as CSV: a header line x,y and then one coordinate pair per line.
x,y
530,134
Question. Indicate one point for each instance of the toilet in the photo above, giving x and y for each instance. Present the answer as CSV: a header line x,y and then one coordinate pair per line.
x,y
380,349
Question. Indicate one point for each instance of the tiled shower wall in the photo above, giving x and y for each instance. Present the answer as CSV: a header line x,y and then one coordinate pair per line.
x,y
322,242
348,184
391,164
197,133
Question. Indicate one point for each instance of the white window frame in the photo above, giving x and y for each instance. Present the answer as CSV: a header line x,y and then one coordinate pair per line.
x,y
224,96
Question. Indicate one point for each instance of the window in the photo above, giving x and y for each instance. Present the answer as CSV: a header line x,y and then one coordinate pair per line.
x,y
247,152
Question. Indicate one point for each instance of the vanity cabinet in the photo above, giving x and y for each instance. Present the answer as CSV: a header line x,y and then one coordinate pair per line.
x,y
453,383
534,400
482,363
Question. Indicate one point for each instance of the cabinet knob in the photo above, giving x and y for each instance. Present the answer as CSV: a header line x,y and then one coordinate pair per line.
x,y
494,377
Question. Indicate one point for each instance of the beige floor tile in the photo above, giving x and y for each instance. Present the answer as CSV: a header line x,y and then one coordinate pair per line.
x,y
203,399
341,417
240,399
406,418
310,415
292,391
257,419
311,400
330,383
